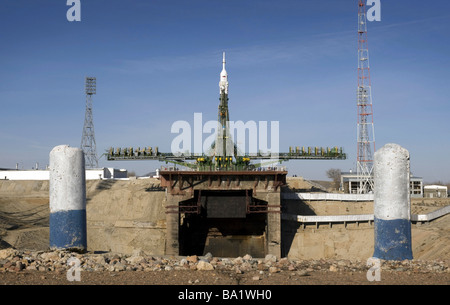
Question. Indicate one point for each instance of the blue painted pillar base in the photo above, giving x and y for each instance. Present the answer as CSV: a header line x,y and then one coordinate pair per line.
x,y
392,239
68,230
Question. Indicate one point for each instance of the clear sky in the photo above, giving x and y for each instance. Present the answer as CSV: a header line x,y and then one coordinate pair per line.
x,y
158,61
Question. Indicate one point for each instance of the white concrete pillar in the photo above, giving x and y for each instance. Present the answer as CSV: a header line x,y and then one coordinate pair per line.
x,y
67,198
392,204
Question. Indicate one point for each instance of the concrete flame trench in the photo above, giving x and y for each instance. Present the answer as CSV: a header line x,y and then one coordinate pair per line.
x,y
227,213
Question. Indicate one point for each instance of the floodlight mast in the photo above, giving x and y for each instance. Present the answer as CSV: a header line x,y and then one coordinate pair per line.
x,y
88,144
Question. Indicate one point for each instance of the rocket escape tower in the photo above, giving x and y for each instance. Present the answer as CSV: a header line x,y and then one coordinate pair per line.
x,y
365,128
88,138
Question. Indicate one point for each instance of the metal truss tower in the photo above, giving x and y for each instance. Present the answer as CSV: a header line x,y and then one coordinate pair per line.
x,y
365,129
88,139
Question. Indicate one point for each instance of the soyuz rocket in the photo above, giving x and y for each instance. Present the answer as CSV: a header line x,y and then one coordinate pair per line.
x,y
224,146
223,83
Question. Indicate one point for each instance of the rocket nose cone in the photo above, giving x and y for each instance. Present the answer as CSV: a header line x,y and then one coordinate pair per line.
x,y
223,76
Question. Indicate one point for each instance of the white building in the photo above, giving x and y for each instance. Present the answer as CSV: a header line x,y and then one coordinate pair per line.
x,y
435,191
91,174
350,184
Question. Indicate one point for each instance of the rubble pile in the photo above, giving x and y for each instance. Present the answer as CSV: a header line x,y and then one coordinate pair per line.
x,y
12,260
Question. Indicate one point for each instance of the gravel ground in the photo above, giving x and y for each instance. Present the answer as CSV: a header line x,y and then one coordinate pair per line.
x,y
71,268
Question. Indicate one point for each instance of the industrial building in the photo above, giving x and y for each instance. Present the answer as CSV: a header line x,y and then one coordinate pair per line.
x,y
435,191
350,184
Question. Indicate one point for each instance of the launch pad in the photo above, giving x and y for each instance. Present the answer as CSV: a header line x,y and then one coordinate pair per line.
x,y
227,213
226,202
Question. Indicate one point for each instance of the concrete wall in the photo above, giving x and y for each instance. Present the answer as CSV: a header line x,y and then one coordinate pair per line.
x,y
312,242
351,242
124,215
328,196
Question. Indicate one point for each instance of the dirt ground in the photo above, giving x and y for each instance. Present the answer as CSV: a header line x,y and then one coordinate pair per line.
x,y
195,278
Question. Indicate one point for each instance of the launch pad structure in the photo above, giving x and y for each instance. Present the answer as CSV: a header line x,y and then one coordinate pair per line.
x,y
224,153
224,203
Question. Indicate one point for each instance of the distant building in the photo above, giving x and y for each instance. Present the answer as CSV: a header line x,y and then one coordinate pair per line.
x,y
349,184
91,174
435,191
416,187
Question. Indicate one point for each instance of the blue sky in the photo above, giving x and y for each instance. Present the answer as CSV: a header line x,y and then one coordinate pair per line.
x,y
157,62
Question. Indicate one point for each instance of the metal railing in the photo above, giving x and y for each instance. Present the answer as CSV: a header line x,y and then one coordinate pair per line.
x,y
230,169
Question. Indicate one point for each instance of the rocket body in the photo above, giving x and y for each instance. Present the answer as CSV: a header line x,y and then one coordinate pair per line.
x,y
223,146
223,83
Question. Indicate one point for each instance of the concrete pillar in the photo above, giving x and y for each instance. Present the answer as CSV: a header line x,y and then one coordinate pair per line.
x,y
273,233
172,246
67,199
392,205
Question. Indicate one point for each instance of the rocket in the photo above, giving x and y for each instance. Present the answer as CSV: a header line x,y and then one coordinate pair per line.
x,y
223,83
224,145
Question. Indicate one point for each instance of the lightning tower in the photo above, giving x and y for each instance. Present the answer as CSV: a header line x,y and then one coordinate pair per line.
x,y
88,139
365,129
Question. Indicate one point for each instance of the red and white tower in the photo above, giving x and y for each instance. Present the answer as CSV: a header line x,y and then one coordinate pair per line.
x,y
365,129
